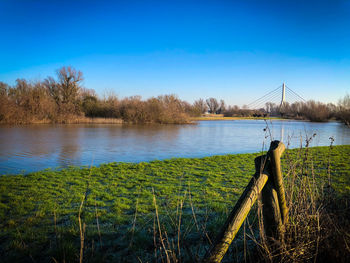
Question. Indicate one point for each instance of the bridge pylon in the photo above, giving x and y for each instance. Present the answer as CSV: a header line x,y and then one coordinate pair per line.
x,y
283,100
274,98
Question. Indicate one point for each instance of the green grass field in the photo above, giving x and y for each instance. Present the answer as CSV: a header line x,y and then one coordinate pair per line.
x,y
39,212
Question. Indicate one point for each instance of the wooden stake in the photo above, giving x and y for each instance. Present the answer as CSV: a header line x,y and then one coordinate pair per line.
x,y
275,152
237,215
275,209
271,212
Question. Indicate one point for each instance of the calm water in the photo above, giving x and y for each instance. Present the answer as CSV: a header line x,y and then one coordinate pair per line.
x,y
36,147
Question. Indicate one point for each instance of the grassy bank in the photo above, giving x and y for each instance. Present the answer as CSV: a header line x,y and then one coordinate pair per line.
x,y
142,212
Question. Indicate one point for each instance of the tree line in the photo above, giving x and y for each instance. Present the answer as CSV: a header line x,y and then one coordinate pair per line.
x,y
61,99
309,110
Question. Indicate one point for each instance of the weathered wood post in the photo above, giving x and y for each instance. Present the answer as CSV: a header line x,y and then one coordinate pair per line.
x,y
271,212
276,150
274,206
268,181
238,213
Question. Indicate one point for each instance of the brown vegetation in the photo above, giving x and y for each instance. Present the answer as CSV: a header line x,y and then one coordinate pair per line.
x,y
343,113
318,229
310,110
235,111
64,100
25,103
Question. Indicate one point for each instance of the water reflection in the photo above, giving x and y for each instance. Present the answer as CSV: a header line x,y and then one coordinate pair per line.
x,y
37,147
282,133
68,145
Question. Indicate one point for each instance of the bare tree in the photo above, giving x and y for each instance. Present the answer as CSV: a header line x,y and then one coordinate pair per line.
x,y
200,106
222,107
66,89
3,88
213,105
69,81
344,110
296,108
53,90
344,103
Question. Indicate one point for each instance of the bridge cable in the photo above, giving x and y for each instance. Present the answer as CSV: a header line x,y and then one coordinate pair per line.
x,y
296,94
293,96
263,96
269,98
266,99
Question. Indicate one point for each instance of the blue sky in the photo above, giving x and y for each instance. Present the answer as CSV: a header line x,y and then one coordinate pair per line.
x,y
231,50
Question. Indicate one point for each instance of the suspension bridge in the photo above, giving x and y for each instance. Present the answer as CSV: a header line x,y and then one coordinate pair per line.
x,y
279,96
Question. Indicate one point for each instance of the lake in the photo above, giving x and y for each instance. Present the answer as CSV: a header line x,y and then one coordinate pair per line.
x,y
36,147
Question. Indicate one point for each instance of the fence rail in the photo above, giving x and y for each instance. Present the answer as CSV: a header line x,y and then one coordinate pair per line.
x,y
267,182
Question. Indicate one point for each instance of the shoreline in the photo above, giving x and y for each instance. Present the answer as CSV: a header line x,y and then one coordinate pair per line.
x,y
221,118
76,120
59,169
191,120
99,120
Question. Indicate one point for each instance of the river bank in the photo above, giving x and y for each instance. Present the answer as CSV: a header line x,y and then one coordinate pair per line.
x,y
221,117
40,212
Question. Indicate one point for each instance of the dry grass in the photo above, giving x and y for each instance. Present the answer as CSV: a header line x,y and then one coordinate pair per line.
x,y
318,229
220,117
87,120
319,225
80,120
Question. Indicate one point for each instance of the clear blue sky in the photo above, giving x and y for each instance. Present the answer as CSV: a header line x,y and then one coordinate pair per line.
x,y
234,50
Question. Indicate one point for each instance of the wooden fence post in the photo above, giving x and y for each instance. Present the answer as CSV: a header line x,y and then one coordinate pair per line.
x,y
271,212
238,214
273,196
268,181
275,152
